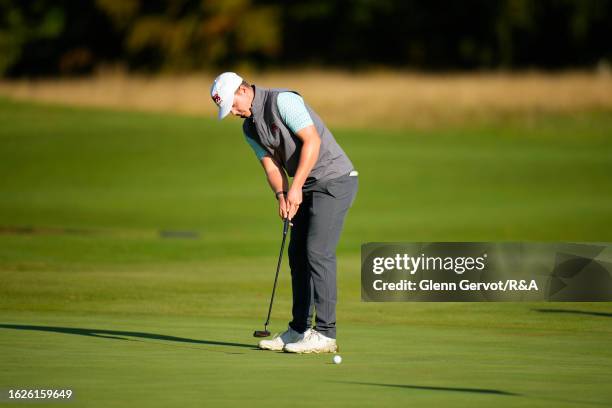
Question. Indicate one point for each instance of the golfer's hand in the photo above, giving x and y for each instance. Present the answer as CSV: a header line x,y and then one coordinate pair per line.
x,y
294,199
283,209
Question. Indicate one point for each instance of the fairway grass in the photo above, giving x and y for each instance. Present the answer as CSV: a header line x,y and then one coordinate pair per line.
x,y
137,254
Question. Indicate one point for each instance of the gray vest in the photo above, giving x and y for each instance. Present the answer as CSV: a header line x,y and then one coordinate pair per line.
x,y
266,127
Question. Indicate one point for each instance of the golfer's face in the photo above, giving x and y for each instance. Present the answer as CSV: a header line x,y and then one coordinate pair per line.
x,y
242,104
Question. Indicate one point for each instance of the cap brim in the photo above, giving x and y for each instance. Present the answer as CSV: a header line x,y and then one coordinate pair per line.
x,y
224,110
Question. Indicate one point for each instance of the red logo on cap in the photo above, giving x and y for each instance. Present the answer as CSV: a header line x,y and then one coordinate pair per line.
x,y
216,98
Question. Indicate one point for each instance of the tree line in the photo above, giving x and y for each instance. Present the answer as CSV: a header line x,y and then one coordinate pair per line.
x,y
66,37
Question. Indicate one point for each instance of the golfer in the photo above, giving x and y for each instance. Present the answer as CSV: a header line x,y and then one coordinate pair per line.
x,y
290,139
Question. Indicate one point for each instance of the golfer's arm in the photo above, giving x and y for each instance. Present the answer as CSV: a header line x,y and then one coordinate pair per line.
x,y
275,174
311,142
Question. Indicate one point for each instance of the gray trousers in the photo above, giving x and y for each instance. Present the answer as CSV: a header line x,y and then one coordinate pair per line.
x,y
312,252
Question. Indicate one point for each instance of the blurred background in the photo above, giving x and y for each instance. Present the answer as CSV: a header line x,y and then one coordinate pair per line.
x,y
505,105
64,37
409,63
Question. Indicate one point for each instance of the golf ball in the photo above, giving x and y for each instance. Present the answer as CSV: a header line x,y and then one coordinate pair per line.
x,y
337,359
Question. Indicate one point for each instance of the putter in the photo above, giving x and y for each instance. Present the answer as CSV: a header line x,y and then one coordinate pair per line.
x,y
265,332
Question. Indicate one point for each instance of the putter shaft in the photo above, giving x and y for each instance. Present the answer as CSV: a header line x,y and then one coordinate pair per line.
x,y
278,265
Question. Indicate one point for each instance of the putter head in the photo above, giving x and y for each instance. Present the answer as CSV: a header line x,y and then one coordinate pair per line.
x,y
261,333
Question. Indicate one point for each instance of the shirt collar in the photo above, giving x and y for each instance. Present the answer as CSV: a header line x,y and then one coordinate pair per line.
x,y
258,102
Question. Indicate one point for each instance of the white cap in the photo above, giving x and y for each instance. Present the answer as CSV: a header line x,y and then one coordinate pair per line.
x,y
222,91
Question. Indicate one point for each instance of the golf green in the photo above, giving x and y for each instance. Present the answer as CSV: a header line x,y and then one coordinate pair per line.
x,y
137,254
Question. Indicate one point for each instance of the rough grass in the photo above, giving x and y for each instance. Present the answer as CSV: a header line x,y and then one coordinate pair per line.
x,y
373,100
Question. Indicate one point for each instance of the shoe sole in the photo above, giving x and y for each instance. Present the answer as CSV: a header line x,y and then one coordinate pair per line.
x,y
333,350
270,348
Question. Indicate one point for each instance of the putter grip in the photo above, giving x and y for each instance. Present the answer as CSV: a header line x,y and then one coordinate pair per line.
x,y
286,226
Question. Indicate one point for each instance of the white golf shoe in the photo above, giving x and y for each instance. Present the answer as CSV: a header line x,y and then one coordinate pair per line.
x,y
279,341
313,342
